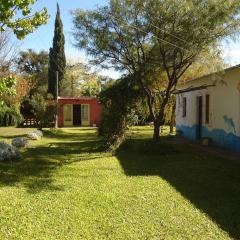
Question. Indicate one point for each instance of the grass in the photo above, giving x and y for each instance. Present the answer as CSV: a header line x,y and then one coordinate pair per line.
x,y
64,188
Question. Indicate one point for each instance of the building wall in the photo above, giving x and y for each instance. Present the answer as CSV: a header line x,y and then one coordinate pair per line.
x,y
224,123
95,109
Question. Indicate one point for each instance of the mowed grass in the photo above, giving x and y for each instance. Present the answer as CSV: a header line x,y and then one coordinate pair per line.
x,y
65,188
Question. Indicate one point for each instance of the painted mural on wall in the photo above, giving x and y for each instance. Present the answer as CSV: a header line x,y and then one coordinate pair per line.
x,y
230,123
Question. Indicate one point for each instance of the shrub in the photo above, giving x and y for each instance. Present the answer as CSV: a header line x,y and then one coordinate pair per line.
x,y
118,103
9,115
43,111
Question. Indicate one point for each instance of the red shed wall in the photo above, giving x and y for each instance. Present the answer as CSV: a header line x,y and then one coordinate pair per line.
x,y
95,109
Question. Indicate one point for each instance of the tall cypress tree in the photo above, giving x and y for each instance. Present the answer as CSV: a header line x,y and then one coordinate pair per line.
x,y
57,58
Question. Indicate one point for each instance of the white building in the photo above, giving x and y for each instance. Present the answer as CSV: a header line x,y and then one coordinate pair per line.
x,y
209,107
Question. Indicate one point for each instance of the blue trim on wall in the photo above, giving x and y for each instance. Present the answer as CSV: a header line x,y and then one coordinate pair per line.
x,y
218,136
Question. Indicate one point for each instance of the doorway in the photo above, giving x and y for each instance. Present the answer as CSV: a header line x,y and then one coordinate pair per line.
x,y
77,115
199,117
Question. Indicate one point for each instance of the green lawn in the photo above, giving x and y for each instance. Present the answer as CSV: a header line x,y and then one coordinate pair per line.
x,y
64,188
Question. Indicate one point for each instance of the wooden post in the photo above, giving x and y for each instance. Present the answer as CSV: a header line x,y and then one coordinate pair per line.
x,y
56,120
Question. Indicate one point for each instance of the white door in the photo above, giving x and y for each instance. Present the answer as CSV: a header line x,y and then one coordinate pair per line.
x,y
85,114
68,115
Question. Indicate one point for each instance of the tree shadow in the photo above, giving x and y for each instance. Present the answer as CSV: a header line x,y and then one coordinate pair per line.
x,y
60,134
37,166
12,136
211,183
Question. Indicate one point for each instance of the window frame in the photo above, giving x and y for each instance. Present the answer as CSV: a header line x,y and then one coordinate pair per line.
x,y
184,108
207,109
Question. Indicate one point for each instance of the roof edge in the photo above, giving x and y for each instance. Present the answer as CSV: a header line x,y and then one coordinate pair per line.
x,y
77,98
210,74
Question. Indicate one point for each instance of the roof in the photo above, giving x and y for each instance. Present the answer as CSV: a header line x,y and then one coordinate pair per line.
x,y
76,98
191,89
210,74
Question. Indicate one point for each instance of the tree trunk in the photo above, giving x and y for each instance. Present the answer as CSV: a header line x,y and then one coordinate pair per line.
x,y
172,118
156,133
159,121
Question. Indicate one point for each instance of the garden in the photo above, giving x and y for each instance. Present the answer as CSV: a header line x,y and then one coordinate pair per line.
x,y
64,186
130,178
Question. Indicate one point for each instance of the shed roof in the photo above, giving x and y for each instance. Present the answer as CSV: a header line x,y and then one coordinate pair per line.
x,y
210,74
77,98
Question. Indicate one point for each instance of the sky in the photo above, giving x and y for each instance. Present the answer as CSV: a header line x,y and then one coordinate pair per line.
x,y
42,38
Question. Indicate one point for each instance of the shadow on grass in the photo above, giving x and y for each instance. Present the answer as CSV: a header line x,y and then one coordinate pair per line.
x,y
212,184
12,136
38,164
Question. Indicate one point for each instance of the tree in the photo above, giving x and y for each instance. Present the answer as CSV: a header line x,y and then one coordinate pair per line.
x,y
18,16
31,62
57,58
8,51
81,81
7,85
33,66
156,41
208,62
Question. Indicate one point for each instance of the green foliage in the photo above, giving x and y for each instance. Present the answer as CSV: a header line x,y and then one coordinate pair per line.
x,y
57,58
43,111
7,85
9,115
80,81
18,16
117,111
154,37
34,67
31,62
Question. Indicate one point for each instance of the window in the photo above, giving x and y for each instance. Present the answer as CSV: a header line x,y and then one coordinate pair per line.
x,y
207,109
85,112
68,113
184,107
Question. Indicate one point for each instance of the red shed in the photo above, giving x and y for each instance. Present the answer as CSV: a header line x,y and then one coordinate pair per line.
x,y
78,111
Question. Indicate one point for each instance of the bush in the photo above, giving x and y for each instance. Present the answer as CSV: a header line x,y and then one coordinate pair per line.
x,y
118,103
9,115
43,111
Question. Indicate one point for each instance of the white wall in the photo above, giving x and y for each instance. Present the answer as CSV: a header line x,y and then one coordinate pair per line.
x,y
224,102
